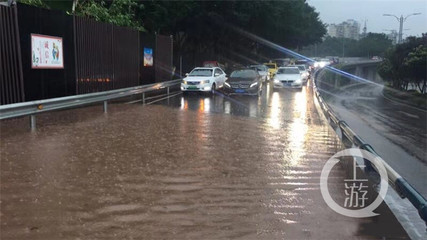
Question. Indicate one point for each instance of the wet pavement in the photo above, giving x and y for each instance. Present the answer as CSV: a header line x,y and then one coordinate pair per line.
x,y
398,133
190,167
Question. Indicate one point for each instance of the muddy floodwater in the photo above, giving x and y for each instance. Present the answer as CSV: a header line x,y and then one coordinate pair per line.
x,y
193,167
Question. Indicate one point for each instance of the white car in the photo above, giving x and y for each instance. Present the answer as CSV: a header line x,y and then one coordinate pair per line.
x,y
262,70
204,79
304,72
288,77
322,63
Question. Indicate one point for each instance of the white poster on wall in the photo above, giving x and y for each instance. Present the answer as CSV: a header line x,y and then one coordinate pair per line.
x,y
46,51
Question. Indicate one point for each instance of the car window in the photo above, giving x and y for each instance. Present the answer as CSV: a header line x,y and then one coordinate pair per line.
x,y
301,68
288,71
201,73
244,74
218,71
259,67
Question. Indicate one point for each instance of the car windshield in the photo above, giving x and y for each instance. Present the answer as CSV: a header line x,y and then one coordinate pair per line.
x,y
243,74
301,68
201,73
288,71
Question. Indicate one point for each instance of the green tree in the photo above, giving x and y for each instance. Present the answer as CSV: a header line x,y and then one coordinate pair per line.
x,y
205,30
400,67
374,44
117,12
415,67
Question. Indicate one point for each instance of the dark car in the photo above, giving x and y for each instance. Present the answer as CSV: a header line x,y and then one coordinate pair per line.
x,y
244,82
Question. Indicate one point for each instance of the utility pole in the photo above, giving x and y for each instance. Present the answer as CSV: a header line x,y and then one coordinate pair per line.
x,y
401,20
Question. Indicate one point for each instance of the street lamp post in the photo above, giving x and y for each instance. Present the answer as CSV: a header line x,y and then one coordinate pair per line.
x,y
401,20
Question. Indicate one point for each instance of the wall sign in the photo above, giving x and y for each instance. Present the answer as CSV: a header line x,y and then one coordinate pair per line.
x,y
148,57
46,52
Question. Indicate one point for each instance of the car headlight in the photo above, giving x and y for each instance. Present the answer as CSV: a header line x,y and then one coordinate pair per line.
x,y
183,81
227,85
204,81
253,84
298,80
276,80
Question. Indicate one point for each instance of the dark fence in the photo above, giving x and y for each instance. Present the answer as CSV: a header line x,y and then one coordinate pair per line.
x,y
108,56
163,58
126,52
94,68
96,56
46,83
11,81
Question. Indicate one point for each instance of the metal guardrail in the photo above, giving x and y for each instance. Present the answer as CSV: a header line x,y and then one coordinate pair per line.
x,y
40,106
397,182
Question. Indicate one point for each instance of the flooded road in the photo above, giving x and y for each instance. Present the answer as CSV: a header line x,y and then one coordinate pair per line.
x,y
190,167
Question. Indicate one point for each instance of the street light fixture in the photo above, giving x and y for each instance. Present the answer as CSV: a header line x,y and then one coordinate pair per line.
x,y
401,20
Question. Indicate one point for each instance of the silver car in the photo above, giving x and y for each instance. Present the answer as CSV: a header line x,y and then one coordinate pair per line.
x,y
262,70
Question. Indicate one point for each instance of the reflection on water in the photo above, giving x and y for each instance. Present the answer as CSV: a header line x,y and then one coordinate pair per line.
x,y
161,173
206,105
298,128
184,104
274,117
253,108
227,107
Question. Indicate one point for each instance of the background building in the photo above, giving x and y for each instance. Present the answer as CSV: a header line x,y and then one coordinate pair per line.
x,y
347,29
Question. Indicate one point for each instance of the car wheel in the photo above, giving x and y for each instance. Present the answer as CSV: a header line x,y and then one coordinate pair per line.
x,y
213,89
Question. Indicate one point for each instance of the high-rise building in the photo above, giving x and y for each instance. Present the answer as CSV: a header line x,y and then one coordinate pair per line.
x,y
347,29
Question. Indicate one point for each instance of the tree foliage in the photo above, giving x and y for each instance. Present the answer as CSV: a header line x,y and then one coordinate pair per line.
x,y
205,30
117,12
374,44
406,63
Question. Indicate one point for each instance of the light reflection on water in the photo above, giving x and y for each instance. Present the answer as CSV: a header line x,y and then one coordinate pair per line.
x,y
176,174
298,129
274,117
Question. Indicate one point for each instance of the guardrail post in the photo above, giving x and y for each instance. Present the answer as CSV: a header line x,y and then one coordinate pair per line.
x,y
168,90
143,98
105,106
33,122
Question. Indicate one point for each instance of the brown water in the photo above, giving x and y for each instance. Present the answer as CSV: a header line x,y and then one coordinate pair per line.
x,y
159,172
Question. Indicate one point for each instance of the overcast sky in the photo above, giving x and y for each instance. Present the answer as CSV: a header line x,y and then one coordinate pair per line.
x,y
337,11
